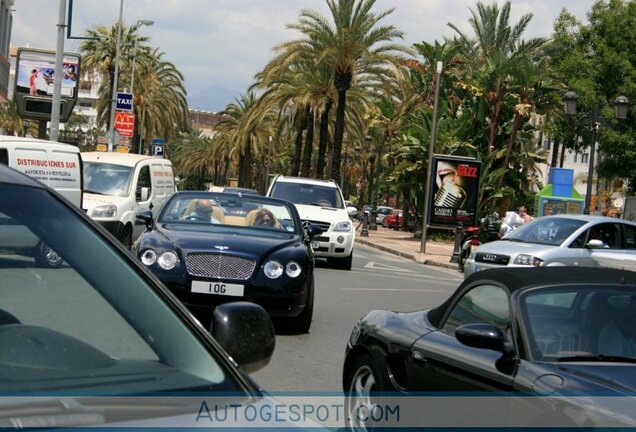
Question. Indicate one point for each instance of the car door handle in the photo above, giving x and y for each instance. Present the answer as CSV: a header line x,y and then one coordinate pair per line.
x,y
418,357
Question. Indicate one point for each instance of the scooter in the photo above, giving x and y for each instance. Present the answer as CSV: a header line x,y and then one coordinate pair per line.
x,y
488,230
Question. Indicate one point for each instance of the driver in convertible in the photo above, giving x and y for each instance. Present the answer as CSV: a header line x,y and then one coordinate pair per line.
x,y
203,212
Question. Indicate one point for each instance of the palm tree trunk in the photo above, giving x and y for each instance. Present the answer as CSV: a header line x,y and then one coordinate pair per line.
x,y
338,135
309,143
511,140
245,162
298,148
324,136
492,134
111,75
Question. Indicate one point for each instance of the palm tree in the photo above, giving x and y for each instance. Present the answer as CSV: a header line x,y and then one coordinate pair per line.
x,y
493,55
10,120
98,57
350,46
160,99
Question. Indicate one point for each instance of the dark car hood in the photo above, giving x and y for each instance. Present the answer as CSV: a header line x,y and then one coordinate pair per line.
x,y
614,377
245,241
396,328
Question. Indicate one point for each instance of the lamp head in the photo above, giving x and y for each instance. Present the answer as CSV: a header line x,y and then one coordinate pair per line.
x,y
569,102
145,22
621,104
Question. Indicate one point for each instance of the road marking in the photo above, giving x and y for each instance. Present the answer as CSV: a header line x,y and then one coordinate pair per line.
x,y
379,266
397,289
409,276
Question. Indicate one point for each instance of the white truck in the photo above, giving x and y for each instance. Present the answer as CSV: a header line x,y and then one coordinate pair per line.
x,y
57,165
117,186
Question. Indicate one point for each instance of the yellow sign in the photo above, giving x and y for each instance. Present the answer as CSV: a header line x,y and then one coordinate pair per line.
x,y
122,149
102,147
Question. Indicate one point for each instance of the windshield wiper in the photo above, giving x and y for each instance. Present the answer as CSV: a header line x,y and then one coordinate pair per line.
x,y
597,358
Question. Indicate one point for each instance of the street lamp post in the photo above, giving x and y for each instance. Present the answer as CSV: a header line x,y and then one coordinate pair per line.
x,y
113,101
365,215
132,77
431,150
569,104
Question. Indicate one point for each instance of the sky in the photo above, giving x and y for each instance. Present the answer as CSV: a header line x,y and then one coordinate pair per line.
x,y
219,45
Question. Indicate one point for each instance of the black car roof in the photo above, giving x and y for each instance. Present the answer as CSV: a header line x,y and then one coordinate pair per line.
x,y
516,278
519,278
11,176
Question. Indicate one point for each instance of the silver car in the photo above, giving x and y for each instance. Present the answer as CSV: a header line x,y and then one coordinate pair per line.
x,y
561,240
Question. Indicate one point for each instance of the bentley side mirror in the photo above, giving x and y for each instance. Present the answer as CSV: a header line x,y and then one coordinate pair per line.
x,y
313,231
146,217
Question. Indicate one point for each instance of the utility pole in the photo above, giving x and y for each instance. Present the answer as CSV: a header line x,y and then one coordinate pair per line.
x,y
59,65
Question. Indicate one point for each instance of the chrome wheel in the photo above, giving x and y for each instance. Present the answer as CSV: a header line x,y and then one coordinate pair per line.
x,y
361,409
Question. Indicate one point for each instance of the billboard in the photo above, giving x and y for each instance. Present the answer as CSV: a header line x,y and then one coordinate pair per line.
x,y
454,191
35,80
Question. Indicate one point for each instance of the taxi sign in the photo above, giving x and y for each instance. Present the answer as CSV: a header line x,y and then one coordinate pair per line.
x,y
102,147
122,149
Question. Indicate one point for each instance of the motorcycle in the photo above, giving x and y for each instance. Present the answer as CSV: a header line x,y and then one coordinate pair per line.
x,y
489,230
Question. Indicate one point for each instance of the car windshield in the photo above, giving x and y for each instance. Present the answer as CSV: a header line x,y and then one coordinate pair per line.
x,y
228,210
77,316
583,323
384,210
301,193
107,179
547,230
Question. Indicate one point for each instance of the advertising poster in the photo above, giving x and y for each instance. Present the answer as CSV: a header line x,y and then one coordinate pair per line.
x,y
455,191
35,74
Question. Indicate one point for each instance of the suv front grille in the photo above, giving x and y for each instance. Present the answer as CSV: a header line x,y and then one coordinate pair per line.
x,y
324,225
222,266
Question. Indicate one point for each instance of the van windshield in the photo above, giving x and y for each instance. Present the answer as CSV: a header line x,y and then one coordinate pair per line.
x,y
107,179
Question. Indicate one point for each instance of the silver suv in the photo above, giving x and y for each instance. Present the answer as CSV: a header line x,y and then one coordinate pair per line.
x,y
561,240
320,202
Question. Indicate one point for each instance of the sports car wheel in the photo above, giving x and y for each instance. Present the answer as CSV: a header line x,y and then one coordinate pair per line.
x,y
47,257
364,380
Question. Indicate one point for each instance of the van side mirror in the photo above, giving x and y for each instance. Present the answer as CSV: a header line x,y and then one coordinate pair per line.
x,y
143,194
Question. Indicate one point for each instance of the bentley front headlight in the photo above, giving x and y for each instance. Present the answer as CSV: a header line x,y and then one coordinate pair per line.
x,y
293,269
273,269
148,257
168,260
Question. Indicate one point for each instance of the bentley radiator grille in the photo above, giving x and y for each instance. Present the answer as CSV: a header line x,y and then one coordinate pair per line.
x,y
324,225
222,266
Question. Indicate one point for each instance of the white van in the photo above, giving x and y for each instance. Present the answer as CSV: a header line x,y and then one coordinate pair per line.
x,y
119,185
55,164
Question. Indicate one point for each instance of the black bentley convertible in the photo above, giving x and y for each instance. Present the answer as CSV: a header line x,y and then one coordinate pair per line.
x,y
213,248
547,331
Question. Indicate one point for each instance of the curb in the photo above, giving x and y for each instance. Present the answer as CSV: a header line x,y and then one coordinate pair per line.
x,y
405,254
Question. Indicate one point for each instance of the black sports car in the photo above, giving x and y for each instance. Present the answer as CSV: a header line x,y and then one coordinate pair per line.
x,y
212,248
546,331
